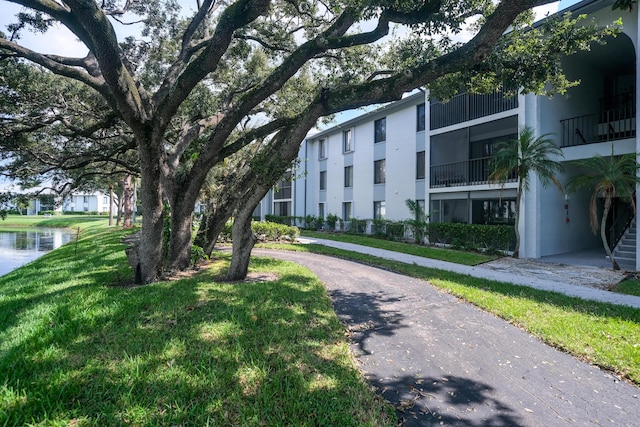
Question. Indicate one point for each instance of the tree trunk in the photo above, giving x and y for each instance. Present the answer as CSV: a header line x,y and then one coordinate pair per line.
x,y
127,192
110,205
119,207
213,222
516,250
603,232
243,241
180,242
149,251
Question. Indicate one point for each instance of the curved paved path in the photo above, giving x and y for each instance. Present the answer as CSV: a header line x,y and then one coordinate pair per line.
x,y
448,363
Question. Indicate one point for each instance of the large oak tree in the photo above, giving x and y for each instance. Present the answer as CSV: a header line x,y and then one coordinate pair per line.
x,y
197,88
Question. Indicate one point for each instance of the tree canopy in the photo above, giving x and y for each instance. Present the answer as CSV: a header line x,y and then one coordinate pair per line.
x,y
198,86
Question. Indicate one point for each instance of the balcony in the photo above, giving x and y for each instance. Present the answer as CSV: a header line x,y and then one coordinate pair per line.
x,y
470,172
465,107
616,120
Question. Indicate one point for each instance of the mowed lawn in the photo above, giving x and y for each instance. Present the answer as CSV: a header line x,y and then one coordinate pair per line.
x,y
78,348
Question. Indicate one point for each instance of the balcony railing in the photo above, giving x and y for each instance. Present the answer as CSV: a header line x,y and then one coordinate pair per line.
x,y
465,107
470,172
616,120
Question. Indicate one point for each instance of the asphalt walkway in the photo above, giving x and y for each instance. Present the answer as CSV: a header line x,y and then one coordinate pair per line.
x,y
583,292
442,361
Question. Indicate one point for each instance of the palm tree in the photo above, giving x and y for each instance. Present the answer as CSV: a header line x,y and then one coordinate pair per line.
x,y
608,177
418,223
520,157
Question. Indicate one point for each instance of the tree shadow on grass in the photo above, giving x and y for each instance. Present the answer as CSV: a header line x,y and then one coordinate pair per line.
x,y
189,352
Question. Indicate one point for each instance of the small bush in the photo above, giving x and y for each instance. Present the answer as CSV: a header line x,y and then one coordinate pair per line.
x,y
271,232
197,255
358,226
332,221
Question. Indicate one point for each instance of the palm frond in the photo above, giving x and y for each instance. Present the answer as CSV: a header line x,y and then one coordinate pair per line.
x,y
607,177
525,155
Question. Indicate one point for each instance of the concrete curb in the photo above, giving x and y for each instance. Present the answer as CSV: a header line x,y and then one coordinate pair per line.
x,y
583,292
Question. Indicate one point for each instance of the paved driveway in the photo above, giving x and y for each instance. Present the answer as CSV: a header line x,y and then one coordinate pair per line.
x,y
446,362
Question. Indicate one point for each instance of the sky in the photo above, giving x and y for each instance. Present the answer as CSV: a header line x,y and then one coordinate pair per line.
x,y
60,41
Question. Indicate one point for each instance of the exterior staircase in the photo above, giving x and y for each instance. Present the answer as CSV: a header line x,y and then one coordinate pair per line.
x,y
625,250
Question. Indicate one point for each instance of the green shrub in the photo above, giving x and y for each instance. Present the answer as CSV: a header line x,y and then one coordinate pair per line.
x,y
265,231
358,226
270,232
332,221
286,220
472,236
312,222
197,255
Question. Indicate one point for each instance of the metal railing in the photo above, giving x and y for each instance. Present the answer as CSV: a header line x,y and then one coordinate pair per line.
x,y
469,172
465,107
592,128
616,120
619,226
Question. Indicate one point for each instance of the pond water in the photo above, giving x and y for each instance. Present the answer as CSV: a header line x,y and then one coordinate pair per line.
x,y
20,247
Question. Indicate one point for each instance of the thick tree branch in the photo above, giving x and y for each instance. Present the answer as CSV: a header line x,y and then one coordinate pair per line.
x,y
189,134
175,90
254,134
60,13
58,68
126,93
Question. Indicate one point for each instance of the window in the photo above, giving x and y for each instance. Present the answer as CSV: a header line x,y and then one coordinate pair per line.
x,y
322,149
379,172
380,130
420,118
321,210
282,208
347,141
85,199
493,211
346,211
105,200
348,176
420,165
323,180
283,188
379,209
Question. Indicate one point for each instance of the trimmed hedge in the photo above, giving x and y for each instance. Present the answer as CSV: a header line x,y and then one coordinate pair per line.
x,y
472,236
265,232
309,222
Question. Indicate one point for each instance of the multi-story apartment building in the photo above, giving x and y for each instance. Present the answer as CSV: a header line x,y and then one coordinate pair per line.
x,y
86,202
438,153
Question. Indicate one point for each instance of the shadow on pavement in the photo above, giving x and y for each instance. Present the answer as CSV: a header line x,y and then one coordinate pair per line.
x,y
450,401
365,315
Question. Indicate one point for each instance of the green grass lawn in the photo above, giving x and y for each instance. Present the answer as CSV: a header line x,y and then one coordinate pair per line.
x,y
24,222
443,254
602,334
77,349
628,287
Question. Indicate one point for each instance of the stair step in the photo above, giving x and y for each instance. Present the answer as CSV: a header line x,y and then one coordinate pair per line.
x,y
625,255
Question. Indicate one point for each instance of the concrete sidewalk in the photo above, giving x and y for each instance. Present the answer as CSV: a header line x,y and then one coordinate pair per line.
x,y
583,292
